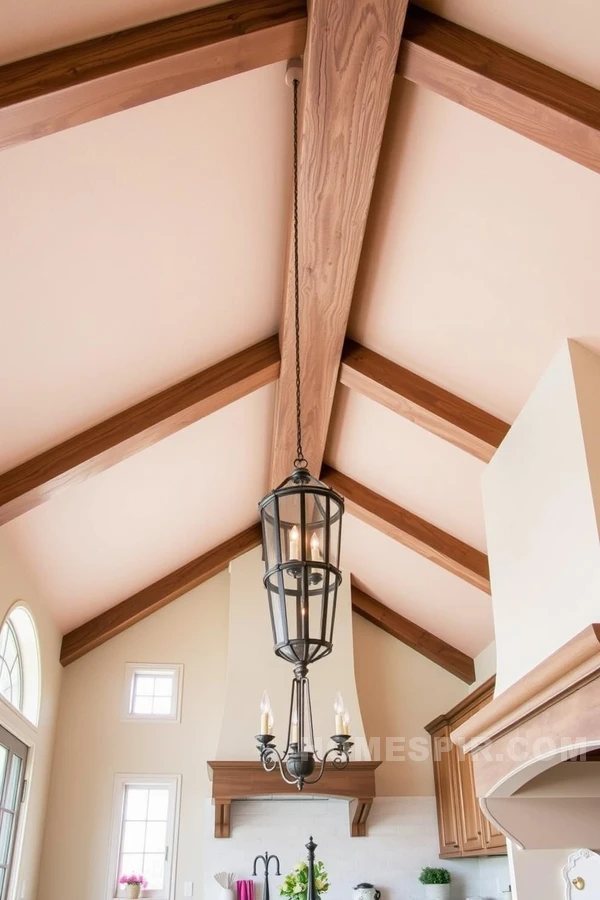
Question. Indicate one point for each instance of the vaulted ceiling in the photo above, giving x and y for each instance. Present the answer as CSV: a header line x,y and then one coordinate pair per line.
x,y
141,250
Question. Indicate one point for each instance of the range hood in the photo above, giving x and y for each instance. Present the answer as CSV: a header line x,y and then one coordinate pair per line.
x,y
238,780
237,773
541,495
529,749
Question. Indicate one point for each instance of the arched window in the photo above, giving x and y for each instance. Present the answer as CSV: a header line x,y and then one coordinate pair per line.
x,y
20,663
11,666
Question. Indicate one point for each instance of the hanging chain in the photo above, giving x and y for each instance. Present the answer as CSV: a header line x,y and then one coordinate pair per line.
x,y
300,462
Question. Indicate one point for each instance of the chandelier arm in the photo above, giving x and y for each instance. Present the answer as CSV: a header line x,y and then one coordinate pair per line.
x,y
340,760
272,759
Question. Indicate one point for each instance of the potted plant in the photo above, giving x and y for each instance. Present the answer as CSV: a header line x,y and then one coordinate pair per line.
x,y
133,885
437,883
295,885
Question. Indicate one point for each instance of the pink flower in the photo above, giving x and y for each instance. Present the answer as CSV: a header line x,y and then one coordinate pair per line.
x,y
133,879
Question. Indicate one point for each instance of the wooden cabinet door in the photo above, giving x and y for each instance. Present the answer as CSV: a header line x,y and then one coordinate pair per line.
x,y
446,789
471,826
492,838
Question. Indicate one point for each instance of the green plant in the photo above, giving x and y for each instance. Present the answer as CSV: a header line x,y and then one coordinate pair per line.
x,y
434,876
296,883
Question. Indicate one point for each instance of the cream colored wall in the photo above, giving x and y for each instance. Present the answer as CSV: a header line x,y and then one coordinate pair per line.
x,y
16,585
399,692
93,743
485,666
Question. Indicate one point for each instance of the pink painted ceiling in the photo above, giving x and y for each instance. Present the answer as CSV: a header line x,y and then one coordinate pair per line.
x,y
140,248
100,541
131,257
481,253
408,465
561,35
417,588
28,29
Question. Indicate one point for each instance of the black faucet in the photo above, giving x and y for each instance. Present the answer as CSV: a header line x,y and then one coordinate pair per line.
x,y
266,858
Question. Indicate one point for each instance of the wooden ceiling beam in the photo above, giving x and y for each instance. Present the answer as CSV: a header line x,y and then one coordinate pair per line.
x,y
72,85
418,400
409,529
140,426
113,621
349,64
538,102
428,645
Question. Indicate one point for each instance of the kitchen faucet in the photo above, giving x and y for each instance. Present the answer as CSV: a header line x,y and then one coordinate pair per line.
x,y
266,858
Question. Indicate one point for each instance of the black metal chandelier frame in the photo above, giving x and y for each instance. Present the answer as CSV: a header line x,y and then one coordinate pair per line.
x,y
301,764
316,578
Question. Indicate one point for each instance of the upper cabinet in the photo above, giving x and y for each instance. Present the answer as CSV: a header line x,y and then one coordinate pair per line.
x,y
464,830
446,789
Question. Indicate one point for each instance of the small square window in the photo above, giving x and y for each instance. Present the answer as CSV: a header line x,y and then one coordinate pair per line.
x,y
153,692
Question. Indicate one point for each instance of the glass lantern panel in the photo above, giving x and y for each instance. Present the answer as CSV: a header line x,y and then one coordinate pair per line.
x,y
334,534
269,533
331,603
315,539
316,609
296,610
289,528
292,584
316,511
277,611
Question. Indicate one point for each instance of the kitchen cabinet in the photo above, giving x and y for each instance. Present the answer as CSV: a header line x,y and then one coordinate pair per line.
x,y
444,770
463,829
493,837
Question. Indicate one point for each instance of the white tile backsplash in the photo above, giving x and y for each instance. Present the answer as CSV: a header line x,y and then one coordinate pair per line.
x,y
402,838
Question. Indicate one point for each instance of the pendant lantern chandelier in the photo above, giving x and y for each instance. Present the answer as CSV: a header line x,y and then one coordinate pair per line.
x,y
301,522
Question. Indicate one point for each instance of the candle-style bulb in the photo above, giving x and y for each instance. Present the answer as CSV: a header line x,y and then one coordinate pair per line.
x,y
294,729
346,721
266,716
294,543
315,548
338,708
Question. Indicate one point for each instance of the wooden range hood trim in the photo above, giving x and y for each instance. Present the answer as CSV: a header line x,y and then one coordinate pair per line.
x,y
244,779
556,701
562,672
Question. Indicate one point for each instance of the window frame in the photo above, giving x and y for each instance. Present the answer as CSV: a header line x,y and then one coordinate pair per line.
x,y
134,669
18,662
121,782
17,746
22,621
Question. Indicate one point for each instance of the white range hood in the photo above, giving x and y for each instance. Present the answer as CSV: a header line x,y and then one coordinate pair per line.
x,y
541,496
